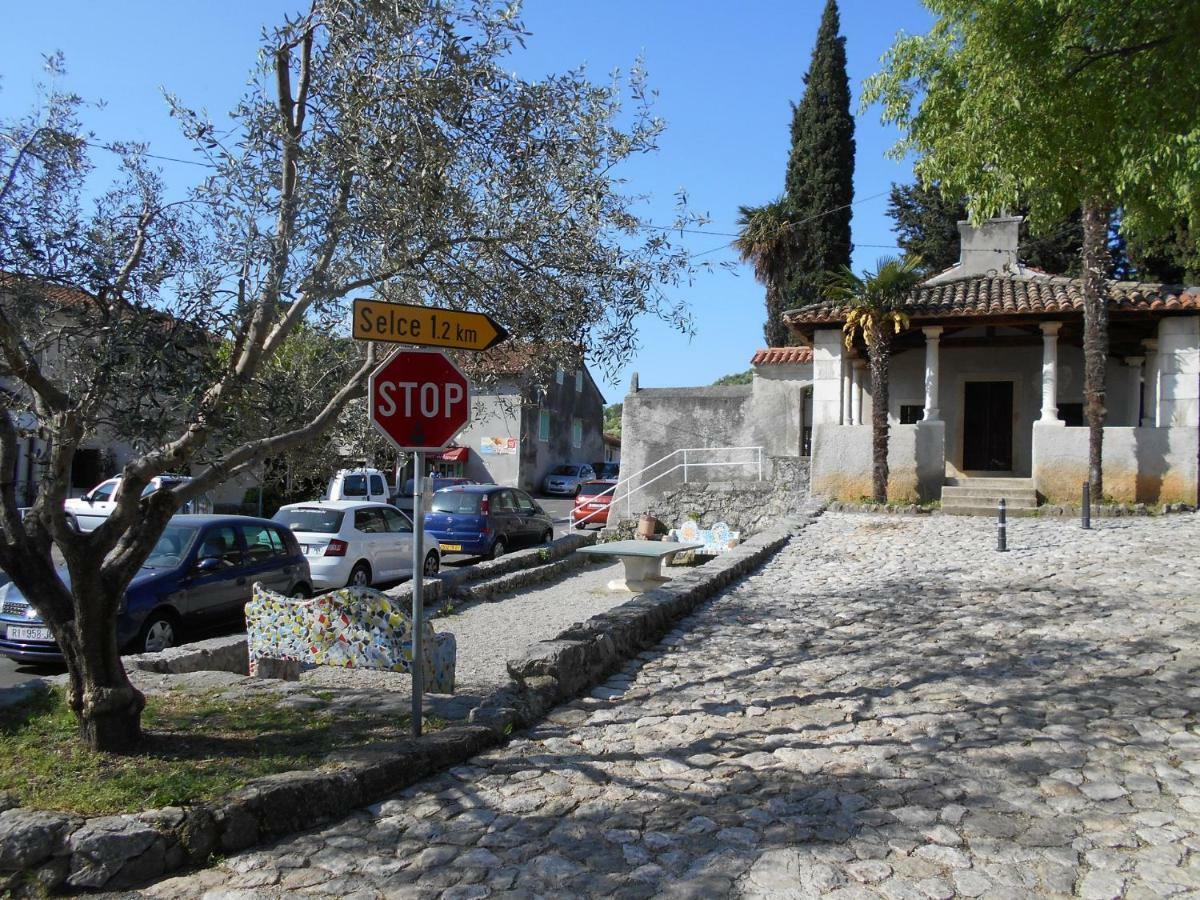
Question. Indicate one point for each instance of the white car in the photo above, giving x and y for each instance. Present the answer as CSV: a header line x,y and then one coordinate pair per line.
x,y
354,542
86,513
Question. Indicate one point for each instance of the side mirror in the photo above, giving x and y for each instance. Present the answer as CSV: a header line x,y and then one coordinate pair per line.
x,y
209,564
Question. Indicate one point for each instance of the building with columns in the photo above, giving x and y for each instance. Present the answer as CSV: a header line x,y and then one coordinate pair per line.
x,y
987,383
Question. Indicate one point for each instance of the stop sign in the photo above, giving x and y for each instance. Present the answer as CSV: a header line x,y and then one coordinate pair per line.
x,y
419,399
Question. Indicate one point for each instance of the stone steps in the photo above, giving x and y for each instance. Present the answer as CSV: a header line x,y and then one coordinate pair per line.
x,y
981,496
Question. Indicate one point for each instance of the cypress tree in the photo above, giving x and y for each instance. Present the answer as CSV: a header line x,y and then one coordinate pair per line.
x,y
820,173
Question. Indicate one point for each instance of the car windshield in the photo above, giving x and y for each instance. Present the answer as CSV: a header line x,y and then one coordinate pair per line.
x,y
354,486
173,545
591,488
566,470
311,519
456,502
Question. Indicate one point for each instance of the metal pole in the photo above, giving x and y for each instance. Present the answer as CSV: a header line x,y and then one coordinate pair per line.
x,y
418,593
1086,510
685,472
1002,527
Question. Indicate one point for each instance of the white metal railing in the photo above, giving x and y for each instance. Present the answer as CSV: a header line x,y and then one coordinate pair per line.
x,y
687,463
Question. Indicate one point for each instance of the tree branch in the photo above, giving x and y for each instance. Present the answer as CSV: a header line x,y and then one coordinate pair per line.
x,y
256,451
1093,55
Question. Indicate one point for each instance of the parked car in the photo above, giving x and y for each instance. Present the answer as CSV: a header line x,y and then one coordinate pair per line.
x,y
404,499
200,573
86,513
354,543
591,503
608,471
486,520
566,479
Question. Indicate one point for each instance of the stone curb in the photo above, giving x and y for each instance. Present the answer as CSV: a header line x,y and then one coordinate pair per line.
x,y
44,851
455,580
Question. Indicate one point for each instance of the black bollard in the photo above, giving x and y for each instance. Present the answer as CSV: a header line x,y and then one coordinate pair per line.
x,y
1002,527
1087,505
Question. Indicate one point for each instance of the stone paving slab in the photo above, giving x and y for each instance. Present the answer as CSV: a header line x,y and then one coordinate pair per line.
x,y
888,708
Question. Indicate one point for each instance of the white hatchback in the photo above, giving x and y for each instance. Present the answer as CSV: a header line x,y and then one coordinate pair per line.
x,y
353,542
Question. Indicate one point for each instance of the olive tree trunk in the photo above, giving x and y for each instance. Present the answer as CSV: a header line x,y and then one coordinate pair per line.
x,y
879,352
1095,337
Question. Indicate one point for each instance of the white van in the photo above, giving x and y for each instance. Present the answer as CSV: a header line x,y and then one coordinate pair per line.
x,y
86,513
370,485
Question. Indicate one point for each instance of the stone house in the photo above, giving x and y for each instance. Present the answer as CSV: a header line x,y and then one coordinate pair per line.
x,y
988,383
521,427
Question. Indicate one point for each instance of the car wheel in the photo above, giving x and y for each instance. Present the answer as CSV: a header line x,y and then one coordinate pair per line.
x,y
73,524
301,592
360,576
432,564
498,549
547,536
159,632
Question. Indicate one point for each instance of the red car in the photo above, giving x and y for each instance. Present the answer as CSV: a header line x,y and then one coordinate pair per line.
x,y
591,503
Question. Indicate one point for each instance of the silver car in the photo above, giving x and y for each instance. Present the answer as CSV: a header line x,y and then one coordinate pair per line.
x,y
566,480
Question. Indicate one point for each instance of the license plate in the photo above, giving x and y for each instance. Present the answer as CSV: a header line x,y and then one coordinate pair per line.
x,y
450,548
23,633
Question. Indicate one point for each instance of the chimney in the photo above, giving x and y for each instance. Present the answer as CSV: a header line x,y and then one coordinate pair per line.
x,y
989,249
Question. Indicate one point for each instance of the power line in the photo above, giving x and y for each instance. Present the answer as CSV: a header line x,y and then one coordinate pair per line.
x,y
190,162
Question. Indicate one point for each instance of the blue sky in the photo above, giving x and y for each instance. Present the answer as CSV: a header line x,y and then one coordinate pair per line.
x,y
726,73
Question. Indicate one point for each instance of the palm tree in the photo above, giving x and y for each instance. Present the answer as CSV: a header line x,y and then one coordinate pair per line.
x,y
765,239
873,303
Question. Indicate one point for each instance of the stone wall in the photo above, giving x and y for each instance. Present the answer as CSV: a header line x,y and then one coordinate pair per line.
x,y
842,462
745,506
1141,465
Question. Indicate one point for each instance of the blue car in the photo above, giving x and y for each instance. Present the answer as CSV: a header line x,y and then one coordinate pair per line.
x,y
200,573
486,520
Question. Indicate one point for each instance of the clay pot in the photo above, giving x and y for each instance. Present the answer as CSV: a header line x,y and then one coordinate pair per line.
x,y
647,526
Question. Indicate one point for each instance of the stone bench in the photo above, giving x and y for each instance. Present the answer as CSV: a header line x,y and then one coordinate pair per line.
x,y
714,541
350,627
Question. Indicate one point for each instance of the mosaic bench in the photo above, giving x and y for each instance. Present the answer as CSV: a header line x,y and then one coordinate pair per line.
x,y
716,540
351,627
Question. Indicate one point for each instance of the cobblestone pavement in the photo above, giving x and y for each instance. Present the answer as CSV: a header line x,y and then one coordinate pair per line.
x,y
888,708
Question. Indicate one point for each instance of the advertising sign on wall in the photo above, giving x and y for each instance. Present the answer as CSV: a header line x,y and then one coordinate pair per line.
x,y
497,446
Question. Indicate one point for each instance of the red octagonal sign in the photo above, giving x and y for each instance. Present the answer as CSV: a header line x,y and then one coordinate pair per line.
x,y
419,399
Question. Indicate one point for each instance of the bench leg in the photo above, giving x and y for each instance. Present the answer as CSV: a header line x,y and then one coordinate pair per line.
x,y
642,573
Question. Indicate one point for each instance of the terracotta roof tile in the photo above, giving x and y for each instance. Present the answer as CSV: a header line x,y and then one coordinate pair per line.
x,y
777,356
1040,295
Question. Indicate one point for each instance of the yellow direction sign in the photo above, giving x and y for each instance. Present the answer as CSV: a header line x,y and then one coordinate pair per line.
x,y
425,326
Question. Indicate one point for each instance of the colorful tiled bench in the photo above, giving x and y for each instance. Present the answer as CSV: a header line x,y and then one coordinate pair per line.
x,y
716,540
354,627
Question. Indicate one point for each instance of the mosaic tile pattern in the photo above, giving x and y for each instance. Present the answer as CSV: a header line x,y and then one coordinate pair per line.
x,y
716,540
353,627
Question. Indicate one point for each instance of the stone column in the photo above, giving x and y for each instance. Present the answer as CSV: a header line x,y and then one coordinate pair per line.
x,y
933,337
1150,418
1135,388
847,392
1050,372
859,374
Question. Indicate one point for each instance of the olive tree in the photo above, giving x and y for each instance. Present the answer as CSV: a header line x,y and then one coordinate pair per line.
x,y
380,148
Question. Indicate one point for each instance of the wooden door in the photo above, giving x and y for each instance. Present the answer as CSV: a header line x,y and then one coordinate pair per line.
x,y
988,426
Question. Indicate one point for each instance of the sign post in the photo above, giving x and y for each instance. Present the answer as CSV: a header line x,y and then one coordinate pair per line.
x,y
419,400
418,592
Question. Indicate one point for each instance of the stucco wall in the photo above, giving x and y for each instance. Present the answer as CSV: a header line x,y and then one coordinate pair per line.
x,y
564,403
493,415
1142,465
842,462
658,421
